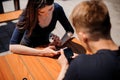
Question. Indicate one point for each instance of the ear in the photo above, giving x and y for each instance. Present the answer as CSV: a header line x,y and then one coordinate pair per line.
x,y
83,37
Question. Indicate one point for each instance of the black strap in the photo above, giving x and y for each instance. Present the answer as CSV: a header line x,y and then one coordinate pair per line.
x,y
119,51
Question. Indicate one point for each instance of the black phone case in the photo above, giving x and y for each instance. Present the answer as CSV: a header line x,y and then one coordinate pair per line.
x,y
68,54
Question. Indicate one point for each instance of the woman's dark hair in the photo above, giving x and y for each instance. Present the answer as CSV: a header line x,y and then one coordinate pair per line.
x,y
42,3
29,15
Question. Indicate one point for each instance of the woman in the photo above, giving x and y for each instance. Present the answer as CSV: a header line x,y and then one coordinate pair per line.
x,y
35,25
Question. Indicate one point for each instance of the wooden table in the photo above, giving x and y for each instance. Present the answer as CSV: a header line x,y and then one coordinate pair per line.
x,y
22,67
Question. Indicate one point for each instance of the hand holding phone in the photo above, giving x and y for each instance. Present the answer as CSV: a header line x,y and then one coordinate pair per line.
x,y
68,54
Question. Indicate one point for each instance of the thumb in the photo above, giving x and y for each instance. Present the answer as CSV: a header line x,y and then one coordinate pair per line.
x,y
52,47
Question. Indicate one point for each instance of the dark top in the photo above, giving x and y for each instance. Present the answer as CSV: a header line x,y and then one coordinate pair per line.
x,y
104,65
40,36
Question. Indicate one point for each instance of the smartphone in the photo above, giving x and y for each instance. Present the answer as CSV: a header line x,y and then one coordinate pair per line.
x,y
68,54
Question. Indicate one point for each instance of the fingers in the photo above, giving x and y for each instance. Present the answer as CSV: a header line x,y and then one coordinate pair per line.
x,y
75,55
62,59
54,37
62,54
52,47
52,51
55,40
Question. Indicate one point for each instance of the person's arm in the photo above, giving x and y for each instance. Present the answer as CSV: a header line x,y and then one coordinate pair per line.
x,y
15,46
68,70
64,20
62,73
66,25
21,49
64,66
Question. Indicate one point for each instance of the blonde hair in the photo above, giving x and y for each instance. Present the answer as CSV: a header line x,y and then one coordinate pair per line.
x,y
93,16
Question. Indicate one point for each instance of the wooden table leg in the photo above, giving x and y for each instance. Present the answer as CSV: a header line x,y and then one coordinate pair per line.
x,y
1,7
17,4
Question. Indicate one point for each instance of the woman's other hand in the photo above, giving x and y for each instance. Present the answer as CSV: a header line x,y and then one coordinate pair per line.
x,y
55,40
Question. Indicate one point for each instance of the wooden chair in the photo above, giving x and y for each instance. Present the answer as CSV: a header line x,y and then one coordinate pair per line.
x,y
12,15
8,16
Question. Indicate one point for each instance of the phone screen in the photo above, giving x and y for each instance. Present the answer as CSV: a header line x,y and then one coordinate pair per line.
x,y
68,54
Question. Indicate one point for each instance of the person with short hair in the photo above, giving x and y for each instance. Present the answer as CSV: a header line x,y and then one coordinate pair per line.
x,y
91,21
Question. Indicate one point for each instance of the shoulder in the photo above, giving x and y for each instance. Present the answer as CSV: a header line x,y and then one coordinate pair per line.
x,y
58,6
100,55
84,58
22,16
79,59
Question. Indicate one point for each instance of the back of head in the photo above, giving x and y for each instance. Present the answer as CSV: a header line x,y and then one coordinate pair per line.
x,y
92,17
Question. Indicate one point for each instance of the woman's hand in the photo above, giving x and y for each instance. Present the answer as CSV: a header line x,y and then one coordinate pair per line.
x,y
49,52
55,40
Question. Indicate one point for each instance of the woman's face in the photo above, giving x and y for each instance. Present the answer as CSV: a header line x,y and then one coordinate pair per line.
x,y
46,10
